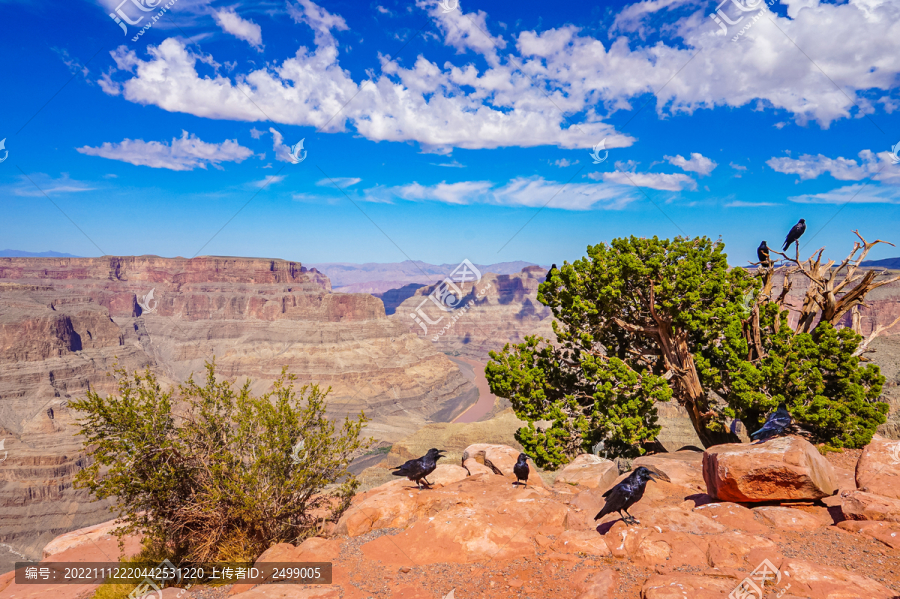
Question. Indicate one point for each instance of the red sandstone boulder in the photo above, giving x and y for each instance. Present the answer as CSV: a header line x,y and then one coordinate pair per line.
x,y
867,506
589,471
786,468
684,468
582,541
878,468
735,549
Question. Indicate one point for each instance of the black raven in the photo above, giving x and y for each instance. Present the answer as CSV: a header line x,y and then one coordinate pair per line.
x,y
627,493
521,469
762,252
776,424
549,272
417,470
794,234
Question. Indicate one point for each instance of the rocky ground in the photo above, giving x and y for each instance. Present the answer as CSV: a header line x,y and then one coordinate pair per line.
x,y
778,515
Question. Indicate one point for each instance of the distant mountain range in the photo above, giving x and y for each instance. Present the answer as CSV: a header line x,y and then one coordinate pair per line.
x,y
886,263
378,277
21,254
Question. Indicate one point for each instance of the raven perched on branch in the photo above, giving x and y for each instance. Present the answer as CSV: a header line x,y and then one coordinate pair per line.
x,y
628,492
417,470
794,234
762,252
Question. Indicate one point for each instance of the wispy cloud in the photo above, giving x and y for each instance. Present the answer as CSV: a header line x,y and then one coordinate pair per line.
x,y
341,182
245,30
182,154
48,185
853,194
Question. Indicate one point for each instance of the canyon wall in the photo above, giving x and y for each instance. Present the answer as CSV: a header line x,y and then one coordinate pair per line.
x,y
65,322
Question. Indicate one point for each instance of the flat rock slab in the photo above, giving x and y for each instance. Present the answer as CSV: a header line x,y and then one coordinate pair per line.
x,y
785,518
786,468
687,586
878,468
868,506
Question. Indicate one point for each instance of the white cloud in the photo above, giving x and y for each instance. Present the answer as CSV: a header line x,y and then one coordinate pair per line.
x,y
859,193
878,166
38,184
182,154
270,180
462,103
737,167
526,191
232,23
341,182
454,164
564,162
742,204
661,181
697,163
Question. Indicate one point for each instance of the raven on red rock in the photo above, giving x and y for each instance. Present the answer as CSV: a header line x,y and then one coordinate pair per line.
x,y
776,424
628,492
417,470
521,469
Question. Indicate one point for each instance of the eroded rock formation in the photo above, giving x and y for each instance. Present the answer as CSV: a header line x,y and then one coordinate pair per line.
x,y
64,323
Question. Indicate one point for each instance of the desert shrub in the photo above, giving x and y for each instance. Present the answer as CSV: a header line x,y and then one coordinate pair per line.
x,y
213,473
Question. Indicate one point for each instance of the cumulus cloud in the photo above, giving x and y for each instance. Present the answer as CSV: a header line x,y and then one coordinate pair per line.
x,y
696,164
524,95
182,154
232,23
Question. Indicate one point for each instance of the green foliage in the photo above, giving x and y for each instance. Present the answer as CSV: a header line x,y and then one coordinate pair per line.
x,y
219,474
634,316
824,386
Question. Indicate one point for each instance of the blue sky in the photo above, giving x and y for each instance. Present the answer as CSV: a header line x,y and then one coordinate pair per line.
x,y
439,132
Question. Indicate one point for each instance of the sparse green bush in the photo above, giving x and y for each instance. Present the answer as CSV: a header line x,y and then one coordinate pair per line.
x,y
213,473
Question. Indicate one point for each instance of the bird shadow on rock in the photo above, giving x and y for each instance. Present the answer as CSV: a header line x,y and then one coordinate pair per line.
x,y
604,528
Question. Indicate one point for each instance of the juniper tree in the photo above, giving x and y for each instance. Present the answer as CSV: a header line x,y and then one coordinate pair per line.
x,y
640,321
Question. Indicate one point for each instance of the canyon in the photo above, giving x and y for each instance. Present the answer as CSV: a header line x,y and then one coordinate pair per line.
x,y
65,323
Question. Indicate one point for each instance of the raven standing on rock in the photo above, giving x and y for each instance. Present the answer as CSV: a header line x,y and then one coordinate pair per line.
x,y
417,470
628,492
521,469
762,252
776,424
794,235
